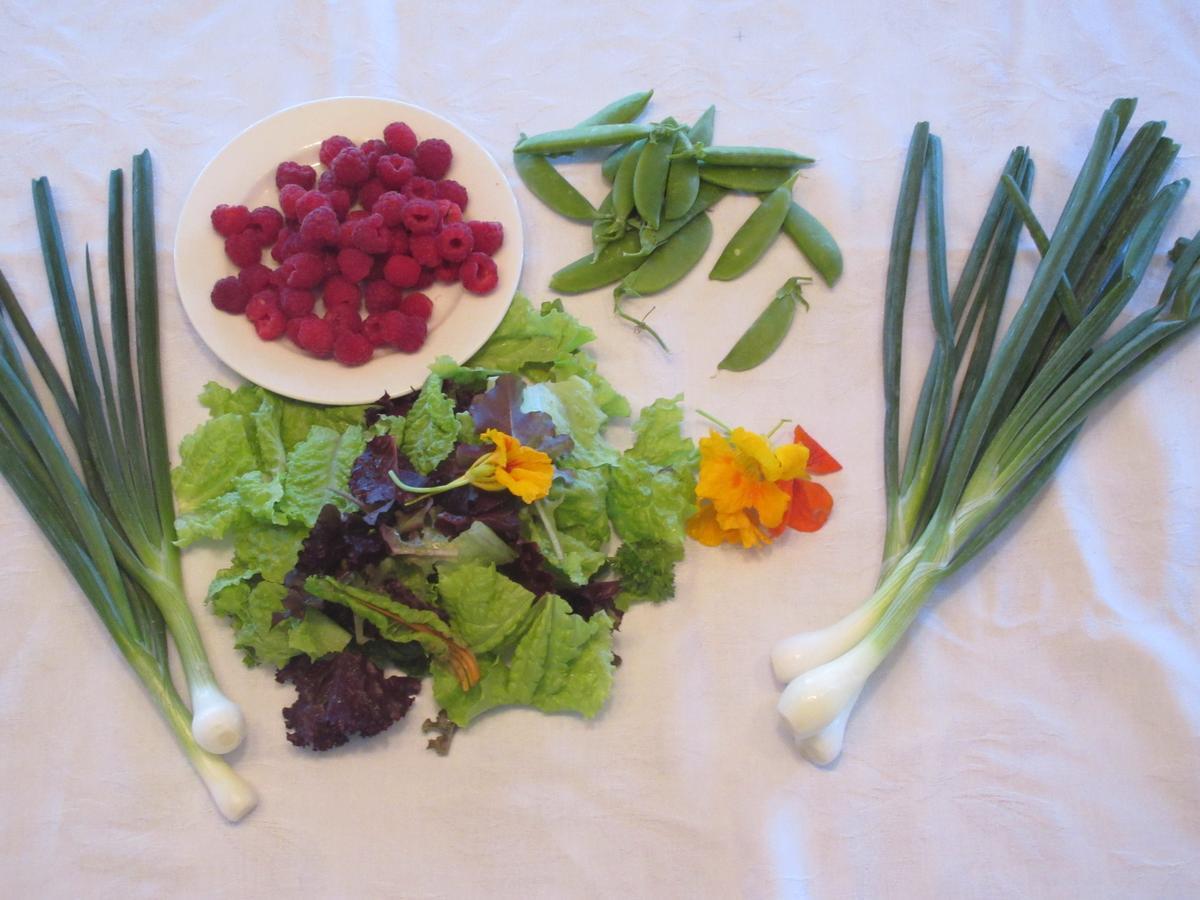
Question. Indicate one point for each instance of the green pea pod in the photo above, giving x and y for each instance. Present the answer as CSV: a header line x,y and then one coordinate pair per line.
x,y
814,241
548,185
606,229
752,156
586,274
702,131
549,143
767,332
622,190
751,241
683,181
612,163
706,197
751,179
624,110
670,261
650,176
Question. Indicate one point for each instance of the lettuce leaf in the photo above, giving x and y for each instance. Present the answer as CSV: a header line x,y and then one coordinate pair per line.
x,y
572,405
431,428
317,468
526,335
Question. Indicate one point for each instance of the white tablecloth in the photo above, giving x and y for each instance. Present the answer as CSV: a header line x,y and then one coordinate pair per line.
x,y
1035,735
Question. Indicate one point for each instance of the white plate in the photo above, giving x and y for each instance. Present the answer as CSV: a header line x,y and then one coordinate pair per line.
x,y
244,172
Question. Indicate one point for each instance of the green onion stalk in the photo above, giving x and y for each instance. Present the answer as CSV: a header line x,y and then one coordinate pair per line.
x,y
102,496
996,414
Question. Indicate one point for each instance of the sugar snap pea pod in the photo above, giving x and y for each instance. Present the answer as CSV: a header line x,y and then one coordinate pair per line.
x,y
767,332
683,181
622,190
672,260
586,274
650,176
624,110
814,241
751,241
702,131
549,143
605,228
706,197
548,185
612,163
752,179
751,156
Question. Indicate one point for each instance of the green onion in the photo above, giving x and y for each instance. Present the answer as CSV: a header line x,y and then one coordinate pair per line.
x,y
985,440
111,516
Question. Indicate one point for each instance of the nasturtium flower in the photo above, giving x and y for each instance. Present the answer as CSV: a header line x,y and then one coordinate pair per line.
x,y
510,466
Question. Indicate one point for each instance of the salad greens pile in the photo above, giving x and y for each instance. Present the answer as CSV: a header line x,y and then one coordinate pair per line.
x,y
340,576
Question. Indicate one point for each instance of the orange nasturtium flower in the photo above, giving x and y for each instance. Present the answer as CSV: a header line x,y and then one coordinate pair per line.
x,y
511,467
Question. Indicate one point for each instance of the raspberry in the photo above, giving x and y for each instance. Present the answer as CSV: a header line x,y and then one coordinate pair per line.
x,y
307,270
395,170
427,279
329,261
340,202
352,349
261,304
451,190
230,295
370,235
350,167
230,220
424,249
433,157
405,333
316,336
390,205
420,188
455,241
451,211
294,173
416,304
381,296
293,326
319,228
279,277
478,273
308,202
373,330
369,193
354,264
244,248
373,150
400,138
447,272
289,244
343,318
340,291
489,236
399,241
332,146
288,195
272,325
268,220
297,303
402,271
422,217
254,278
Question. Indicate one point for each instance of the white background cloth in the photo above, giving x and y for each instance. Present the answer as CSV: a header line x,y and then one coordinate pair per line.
x,y
1036,733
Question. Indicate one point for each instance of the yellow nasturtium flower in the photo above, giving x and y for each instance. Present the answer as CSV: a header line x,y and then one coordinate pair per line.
x,y
511,466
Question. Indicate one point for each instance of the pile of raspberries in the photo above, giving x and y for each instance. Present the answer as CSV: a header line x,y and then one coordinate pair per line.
x,y
375,229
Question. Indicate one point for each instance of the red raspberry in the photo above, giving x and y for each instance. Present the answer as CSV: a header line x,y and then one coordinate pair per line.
x,y
400,138
279,276
370,192
307,270
381,296
447,273
455,241
230,295
316,336
402,271
405,333
451,211
352,349
426,280
416,304
262,303
478,273
420,188
288,195
395,170
319,228
373,150
308,202
451,190
370,235
373,330
489,236
433,156
399,241
424,249
350,167
254,278
343,318
354,264
340,201
272,325
268,220
390,205
244,248
294,173
293,326
289,244
355,214
340,291
230,220
422,217
332,146
329,260
297,303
